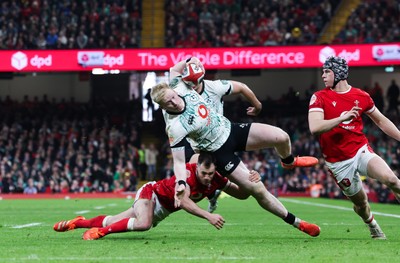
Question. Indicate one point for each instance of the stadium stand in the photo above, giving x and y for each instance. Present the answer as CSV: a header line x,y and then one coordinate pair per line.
x,y
79,147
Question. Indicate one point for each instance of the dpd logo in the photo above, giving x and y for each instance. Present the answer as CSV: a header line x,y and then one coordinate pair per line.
x,y
19,60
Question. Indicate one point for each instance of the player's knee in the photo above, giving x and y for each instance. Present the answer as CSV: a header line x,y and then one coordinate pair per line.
x,y
142,225
243,196
258,190
392,182
361,206
283,137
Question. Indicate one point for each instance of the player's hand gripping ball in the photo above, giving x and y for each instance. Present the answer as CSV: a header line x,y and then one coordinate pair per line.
x,y
193,74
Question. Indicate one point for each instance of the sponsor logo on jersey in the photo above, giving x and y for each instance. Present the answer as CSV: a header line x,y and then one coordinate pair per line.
x,y
229,166
190,120
334,103
346,122
203,111
313,99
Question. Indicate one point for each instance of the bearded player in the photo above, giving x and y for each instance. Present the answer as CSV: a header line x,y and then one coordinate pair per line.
x,y
155,201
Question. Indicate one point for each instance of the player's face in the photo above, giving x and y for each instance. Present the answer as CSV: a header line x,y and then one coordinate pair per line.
x,y
205,175
328,77
172,102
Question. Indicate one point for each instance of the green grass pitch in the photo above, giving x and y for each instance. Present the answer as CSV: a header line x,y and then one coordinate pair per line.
x,y
249,235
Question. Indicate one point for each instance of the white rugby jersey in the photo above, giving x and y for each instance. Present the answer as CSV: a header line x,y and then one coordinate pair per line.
x,y
204,128
213,91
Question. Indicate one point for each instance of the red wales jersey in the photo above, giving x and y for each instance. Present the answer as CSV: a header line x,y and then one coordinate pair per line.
x,y
165,189
343,141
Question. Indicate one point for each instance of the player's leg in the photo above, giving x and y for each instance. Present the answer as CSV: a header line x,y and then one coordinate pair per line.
x,y
98,221
267,136
143,210
363,209
269,202
379,170
139,217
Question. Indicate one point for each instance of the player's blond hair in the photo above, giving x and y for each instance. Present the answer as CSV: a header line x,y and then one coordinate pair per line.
x,y
158,92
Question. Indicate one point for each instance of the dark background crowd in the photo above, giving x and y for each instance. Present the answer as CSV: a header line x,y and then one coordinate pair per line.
x,y
73,24
49,146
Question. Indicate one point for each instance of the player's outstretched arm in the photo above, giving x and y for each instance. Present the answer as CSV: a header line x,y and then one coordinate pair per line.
x,y
178,156
241,88
191,207
386,125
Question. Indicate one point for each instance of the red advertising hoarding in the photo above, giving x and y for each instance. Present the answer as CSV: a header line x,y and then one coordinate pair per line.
x,y
213,58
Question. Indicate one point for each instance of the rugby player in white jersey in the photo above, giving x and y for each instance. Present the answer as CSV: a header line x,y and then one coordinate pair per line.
x,y
213,92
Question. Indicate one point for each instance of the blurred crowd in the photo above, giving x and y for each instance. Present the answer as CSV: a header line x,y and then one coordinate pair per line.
x,y
227,23
372,22
69,24
61,147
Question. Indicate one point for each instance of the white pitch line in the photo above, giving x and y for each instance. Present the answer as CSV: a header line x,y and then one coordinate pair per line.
x,y
334,207
113,259
82,212
26,225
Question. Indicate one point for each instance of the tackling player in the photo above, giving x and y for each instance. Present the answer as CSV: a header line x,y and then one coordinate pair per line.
x,y
155,201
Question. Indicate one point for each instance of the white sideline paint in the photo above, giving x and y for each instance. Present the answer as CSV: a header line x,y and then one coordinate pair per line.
x,y
26,225
113,259
334,207
82,212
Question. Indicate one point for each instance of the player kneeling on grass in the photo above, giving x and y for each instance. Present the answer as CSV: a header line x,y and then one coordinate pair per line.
x,y
155,201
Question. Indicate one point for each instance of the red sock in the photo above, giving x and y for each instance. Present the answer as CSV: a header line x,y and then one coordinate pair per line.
x,y
369,220
93,222
118,227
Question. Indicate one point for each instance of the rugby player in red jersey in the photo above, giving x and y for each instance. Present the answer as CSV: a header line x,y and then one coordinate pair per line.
x,y
335,116
155,201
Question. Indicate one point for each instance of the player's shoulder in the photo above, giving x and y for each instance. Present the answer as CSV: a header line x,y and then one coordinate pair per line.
x,y
216,83
191,167
320,95
359,91
322,92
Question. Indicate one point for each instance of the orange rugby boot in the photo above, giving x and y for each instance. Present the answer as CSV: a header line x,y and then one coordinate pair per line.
x,y
67,225
93,234
310,229
301,161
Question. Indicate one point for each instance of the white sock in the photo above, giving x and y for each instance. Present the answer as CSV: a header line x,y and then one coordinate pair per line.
x,y
371,221
296,223
104,223
131,221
